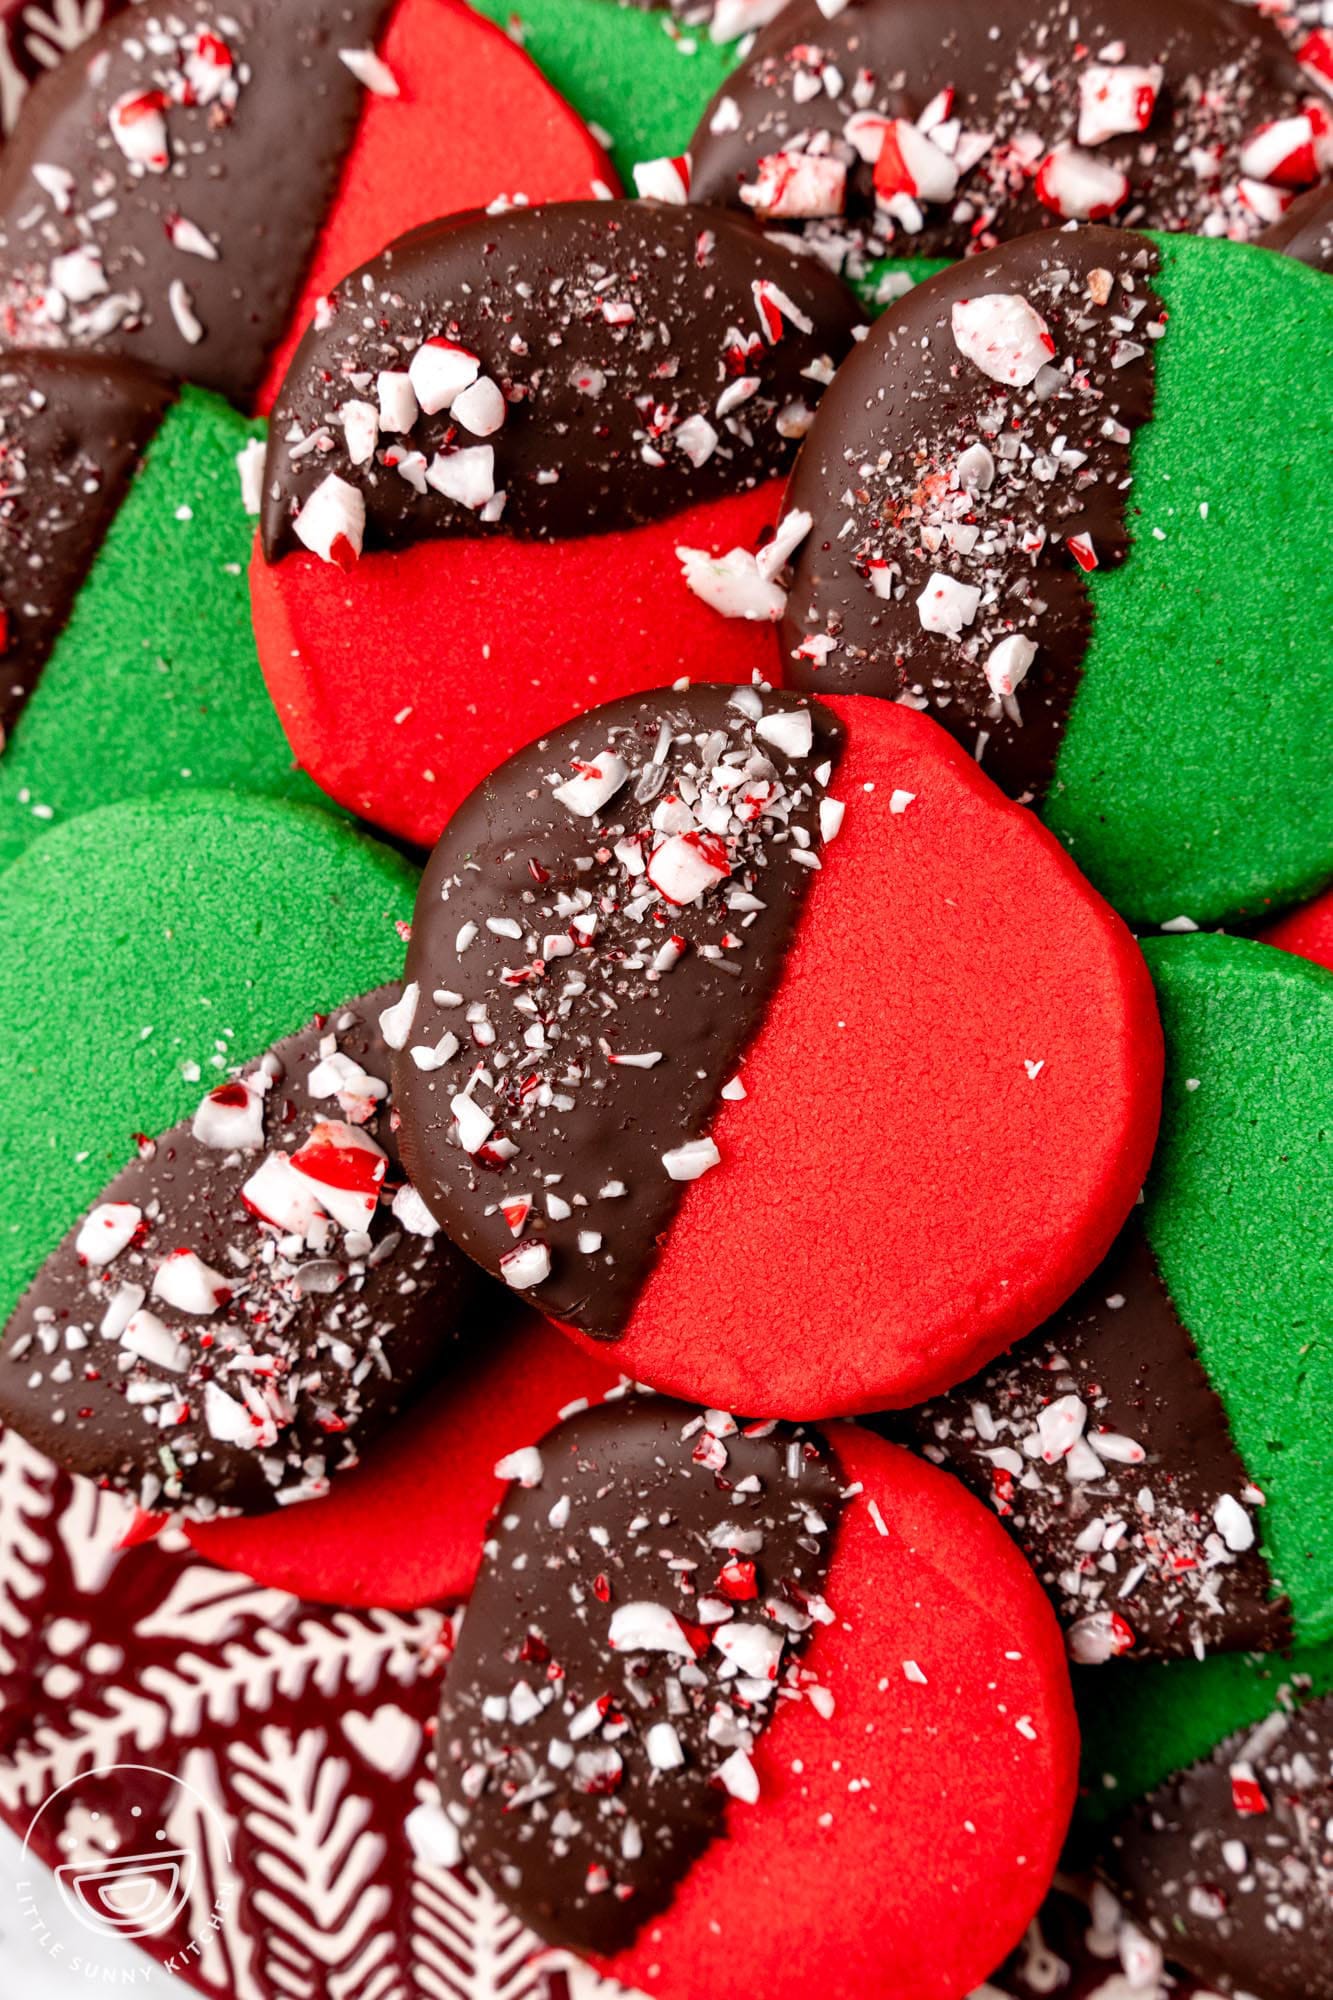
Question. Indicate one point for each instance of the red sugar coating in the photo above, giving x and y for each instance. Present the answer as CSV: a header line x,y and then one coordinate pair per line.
x,y
487,643
1307,931
933,1865
474,119
405,1529
898,1199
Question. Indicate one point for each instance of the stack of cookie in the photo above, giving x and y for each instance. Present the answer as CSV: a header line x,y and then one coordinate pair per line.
x,y
667,1024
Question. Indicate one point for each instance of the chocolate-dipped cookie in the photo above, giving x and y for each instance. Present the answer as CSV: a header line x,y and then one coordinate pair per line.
x,y
1230,1863
1037,493
711,1668
1306,230
895,127
710,967
479,497
1157,1449
185,264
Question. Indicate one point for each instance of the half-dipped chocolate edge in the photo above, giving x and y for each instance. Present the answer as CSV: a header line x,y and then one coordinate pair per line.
x,y
548,371
1106,1452
596,940
969,465
1230,1863
252,1298
72,429
903,127
640,1616
164,187
1306,230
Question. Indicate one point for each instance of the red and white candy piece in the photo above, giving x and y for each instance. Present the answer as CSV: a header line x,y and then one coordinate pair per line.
x,y
346,1167
332,524
106,1231
1291,152
687,865
139,127
1004,336
1078,187
664,180
231,1118
909,163
184,1281
791,186
439,371
593,785
1115,98
1008,664
733,584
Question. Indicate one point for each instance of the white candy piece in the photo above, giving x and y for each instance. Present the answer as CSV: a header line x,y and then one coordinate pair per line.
x,y
282,1196
697,438
1008,663
740,1778
732,584
524,1465
525,1267
686,866
399,409
332,524
641,1627
146,1336
250,471
734,18
433,1837
1233,1524
1115,98
439,371
789,730
411,1211
371,71
691,1161
976,469
396,1021
1060,1425
593,785
664,180
755,1650
664,1747
105,1232
361,428
228,1421
790,532
467,476
792,187
184,1281
946,606
1003,336
481,407
474,1124
79,274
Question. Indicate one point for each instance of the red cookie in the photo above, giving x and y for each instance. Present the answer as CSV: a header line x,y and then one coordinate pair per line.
x,y
406,1528
731,1705
550,406
794,1122
1307,931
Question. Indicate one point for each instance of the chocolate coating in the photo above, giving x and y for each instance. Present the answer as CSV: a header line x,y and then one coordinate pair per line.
x,y
256,141
608,325
1230,1863
601,1019
72,429
585,1776
1125,1543
1055,465
310,1343
1015,78
1306,230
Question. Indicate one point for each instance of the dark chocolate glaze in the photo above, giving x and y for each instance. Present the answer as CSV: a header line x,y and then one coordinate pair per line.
x,y
1306,230
346,1326
884,457
256,150
557,1750
592,434
550,1023
1160,1577
1014,72
71,432
1081,1945
1243,1898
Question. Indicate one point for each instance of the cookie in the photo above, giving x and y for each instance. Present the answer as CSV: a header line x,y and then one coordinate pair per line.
x,y
1306,230
209,1301
119,305
405,1528
709,1670
1230,1864
553,408
895,127
707,995
1062,460
1307,931
1156,1448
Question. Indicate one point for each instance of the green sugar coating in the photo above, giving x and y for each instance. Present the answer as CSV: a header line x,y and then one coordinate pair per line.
x,y
1142,1722
1194,775
154,685
639,76
139,938
1240,1215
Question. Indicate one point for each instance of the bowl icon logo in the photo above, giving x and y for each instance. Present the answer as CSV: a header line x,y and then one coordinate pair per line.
x,y
130,1895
